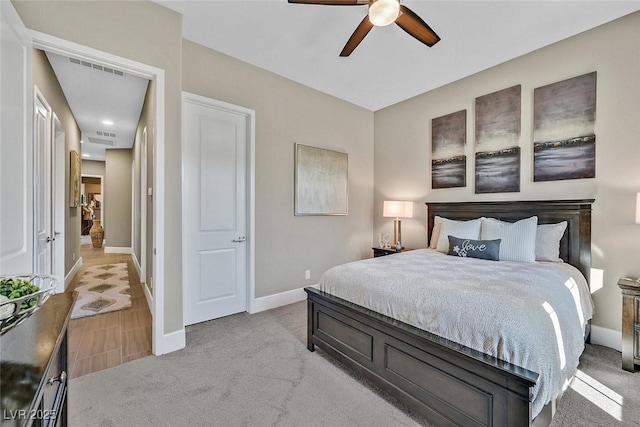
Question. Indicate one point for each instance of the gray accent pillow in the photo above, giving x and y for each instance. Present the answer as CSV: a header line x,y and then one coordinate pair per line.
x,y
481,249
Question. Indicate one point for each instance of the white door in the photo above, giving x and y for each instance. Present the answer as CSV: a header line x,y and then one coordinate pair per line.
x,y
58,201
16,185
42,184
215,139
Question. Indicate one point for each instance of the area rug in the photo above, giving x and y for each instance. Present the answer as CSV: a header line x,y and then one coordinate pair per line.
x,y
102,288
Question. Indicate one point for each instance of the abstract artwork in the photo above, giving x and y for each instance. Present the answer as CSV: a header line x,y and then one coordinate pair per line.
x,y
564,137
497,148
74,179
448,160
321,181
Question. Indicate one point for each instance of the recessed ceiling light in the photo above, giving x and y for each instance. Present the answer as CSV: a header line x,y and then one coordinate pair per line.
x,y
107,122
86,155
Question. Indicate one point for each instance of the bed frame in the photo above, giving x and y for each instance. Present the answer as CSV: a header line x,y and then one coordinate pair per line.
x,y
443,381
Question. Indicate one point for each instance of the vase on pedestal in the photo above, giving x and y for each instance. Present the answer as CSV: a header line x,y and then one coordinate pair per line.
x,y
97,234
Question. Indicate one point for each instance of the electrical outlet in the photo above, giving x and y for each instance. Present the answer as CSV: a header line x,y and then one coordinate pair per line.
x,y
307,274
73,257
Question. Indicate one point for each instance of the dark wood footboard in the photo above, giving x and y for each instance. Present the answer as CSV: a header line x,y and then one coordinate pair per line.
x,y
445,382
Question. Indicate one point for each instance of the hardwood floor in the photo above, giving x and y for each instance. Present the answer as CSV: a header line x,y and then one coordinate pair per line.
x,y
110,339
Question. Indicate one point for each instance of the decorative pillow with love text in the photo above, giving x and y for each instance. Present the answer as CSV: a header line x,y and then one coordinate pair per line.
x,y
482,249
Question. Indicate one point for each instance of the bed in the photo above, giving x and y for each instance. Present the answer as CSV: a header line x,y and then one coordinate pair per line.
x,y
438,378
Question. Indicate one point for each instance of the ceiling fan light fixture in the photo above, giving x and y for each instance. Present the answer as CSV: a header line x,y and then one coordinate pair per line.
x,y
383,12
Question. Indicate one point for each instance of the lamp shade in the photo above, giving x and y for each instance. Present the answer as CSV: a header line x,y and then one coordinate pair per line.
x,y
638,208
397,209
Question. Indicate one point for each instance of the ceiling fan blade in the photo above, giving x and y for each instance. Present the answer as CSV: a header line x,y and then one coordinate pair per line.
x,y
332,2
414,25
357,36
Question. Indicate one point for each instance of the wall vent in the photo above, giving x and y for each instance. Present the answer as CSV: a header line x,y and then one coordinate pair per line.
x,y
104,133
101,141
96,67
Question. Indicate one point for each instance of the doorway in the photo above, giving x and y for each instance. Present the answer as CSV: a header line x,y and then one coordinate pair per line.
x,y
161,343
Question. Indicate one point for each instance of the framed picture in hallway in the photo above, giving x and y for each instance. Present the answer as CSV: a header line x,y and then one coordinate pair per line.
x,y
74,179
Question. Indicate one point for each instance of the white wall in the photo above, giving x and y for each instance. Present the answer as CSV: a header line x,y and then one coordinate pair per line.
x,y
403,153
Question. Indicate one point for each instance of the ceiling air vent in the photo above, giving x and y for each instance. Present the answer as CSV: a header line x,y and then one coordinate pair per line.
x,y
105,133
101,141
96,67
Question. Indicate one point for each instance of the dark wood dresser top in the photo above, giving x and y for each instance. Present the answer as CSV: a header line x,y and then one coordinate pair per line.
x,y
26,353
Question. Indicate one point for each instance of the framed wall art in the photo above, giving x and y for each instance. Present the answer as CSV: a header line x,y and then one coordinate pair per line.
x,y
448,159
497,149
321,181
74,179
564,140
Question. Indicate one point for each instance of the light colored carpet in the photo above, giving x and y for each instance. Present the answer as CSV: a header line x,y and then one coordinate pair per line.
x,y
102,288
255,370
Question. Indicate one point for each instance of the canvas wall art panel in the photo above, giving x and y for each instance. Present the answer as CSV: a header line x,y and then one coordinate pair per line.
x,y
448,159
74,179
321,181
497,145
564,115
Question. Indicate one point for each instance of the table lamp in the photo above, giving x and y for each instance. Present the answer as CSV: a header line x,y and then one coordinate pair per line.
x,y
397,210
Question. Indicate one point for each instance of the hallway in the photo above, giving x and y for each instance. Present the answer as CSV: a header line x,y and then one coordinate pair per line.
x,y
111,339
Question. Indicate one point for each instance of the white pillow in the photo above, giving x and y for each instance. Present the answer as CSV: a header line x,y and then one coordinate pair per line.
x,y
435,233
518,238
548,238
461,229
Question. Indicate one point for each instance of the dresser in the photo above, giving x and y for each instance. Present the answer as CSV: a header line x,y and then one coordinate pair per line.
x,y
630,323
33,367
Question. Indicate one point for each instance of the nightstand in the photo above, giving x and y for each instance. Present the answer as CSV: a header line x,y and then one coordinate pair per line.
x,y
630,323
386,251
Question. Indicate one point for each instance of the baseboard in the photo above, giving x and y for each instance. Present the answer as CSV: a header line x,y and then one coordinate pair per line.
x,y
117,250
148,296
136,264
277,300
606,337
72,273
172,341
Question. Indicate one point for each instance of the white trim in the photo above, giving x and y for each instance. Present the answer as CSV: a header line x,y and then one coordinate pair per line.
x,y
67,48
117,250
136,264
606,337
251,187
277,300
74,270
144,199
171,342
148,297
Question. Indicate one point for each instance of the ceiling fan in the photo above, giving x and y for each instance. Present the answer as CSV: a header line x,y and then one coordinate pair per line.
x,y
381,13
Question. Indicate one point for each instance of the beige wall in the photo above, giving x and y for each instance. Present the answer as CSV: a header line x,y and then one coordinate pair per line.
x,y
93,167
116,201
45,79
146,121
286,113
403,157
146,32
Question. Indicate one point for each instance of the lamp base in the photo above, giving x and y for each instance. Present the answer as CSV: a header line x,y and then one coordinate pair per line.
x,y
396,233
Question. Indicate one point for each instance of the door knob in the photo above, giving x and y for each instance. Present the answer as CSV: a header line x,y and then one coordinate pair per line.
x,y
240,239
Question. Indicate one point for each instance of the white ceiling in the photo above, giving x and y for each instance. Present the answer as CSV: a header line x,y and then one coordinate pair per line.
x,y
96,93
302,42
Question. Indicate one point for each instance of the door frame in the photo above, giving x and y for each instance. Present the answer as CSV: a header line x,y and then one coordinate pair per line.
x,y
161,342
58,225
250,184
101,177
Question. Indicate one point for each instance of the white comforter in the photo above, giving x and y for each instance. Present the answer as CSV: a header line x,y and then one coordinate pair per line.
x,y
532,315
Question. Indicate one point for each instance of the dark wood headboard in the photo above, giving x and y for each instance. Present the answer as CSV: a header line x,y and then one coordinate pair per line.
x,y
575,246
